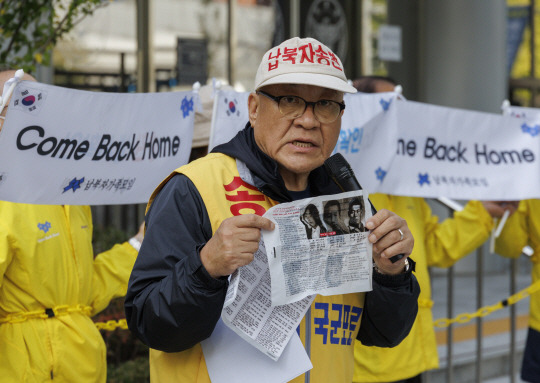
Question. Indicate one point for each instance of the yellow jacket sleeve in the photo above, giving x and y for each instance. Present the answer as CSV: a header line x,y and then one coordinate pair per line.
x,y
515,234
112,269
6,253
457,236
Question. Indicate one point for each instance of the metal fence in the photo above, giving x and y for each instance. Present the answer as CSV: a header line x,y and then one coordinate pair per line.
x,y
492,281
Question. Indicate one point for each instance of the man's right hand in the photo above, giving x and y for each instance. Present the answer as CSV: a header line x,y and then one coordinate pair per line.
x,y
233,244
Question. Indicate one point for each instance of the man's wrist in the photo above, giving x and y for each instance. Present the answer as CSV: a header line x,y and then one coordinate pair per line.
x,y
405,269
135,243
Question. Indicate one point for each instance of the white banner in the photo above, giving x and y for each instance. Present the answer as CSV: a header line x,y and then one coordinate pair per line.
x,y
521,112
423,150
360,108
64,146
530,116
408,148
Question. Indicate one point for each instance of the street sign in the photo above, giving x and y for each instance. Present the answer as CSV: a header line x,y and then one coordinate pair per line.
x,y
192,60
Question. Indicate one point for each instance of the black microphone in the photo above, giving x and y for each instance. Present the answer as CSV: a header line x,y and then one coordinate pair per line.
x,y
341,172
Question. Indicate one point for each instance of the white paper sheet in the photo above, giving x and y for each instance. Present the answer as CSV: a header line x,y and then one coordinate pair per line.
x,y
230,359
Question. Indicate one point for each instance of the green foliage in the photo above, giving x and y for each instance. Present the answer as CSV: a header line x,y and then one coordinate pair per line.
x,y
127,357
29,29
105,237
133,371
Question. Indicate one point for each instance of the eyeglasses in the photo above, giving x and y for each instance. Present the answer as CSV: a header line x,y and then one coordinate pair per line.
x,y
325,111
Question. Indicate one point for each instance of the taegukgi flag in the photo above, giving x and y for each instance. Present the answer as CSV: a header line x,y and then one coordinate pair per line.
x,y
520,111
424,150
65,146
230,116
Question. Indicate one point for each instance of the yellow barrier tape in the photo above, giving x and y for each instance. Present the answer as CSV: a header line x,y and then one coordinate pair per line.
x,y
487,310
47,313
112,325
426,303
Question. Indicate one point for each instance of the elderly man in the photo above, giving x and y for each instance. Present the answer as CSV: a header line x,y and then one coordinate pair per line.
x,y
204,221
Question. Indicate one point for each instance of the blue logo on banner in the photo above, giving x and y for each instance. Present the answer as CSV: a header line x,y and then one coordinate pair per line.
x,y
44,226
385,104
74,184
187,106
423,179
380,174
532,130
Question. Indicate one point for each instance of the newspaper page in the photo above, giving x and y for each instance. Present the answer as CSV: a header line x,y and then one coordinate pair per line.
x,y
331,258
319,246
250,313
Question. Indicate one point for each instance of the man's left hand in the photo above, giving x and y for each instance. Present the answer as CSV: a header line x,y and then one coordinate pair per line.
x,y
386,236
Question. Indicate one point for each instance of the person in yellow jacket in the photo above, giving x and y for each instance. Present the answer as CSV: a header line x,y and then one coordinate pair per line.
x,y
522,229
50,286
436,244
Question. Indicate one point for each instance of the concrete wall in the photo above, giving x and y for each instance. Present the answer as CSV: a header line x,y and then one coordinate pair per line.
x,y
454,52
96,43
463,55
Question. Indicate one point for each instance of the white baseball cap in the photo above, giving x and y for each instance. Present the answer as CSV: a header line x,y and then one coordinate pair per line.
x,y
302,61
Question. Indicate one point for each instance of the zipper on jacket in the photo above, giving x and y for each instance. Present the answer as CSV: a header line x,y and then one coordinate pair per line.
x,y
48,336
308,342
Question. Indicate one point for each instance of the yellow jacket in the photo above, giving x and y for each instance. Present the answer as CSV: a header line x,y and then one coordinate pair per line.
x,y
50,285
521,229
435,244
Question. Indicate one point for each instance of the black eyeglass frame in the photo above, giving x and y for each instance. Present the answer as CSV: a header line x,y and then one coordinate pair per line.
x,y
277,99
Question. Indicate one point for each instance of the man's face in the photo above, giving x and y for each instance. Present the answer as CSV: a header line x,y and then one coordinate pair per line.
x,y
331,216
298,145
355,215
